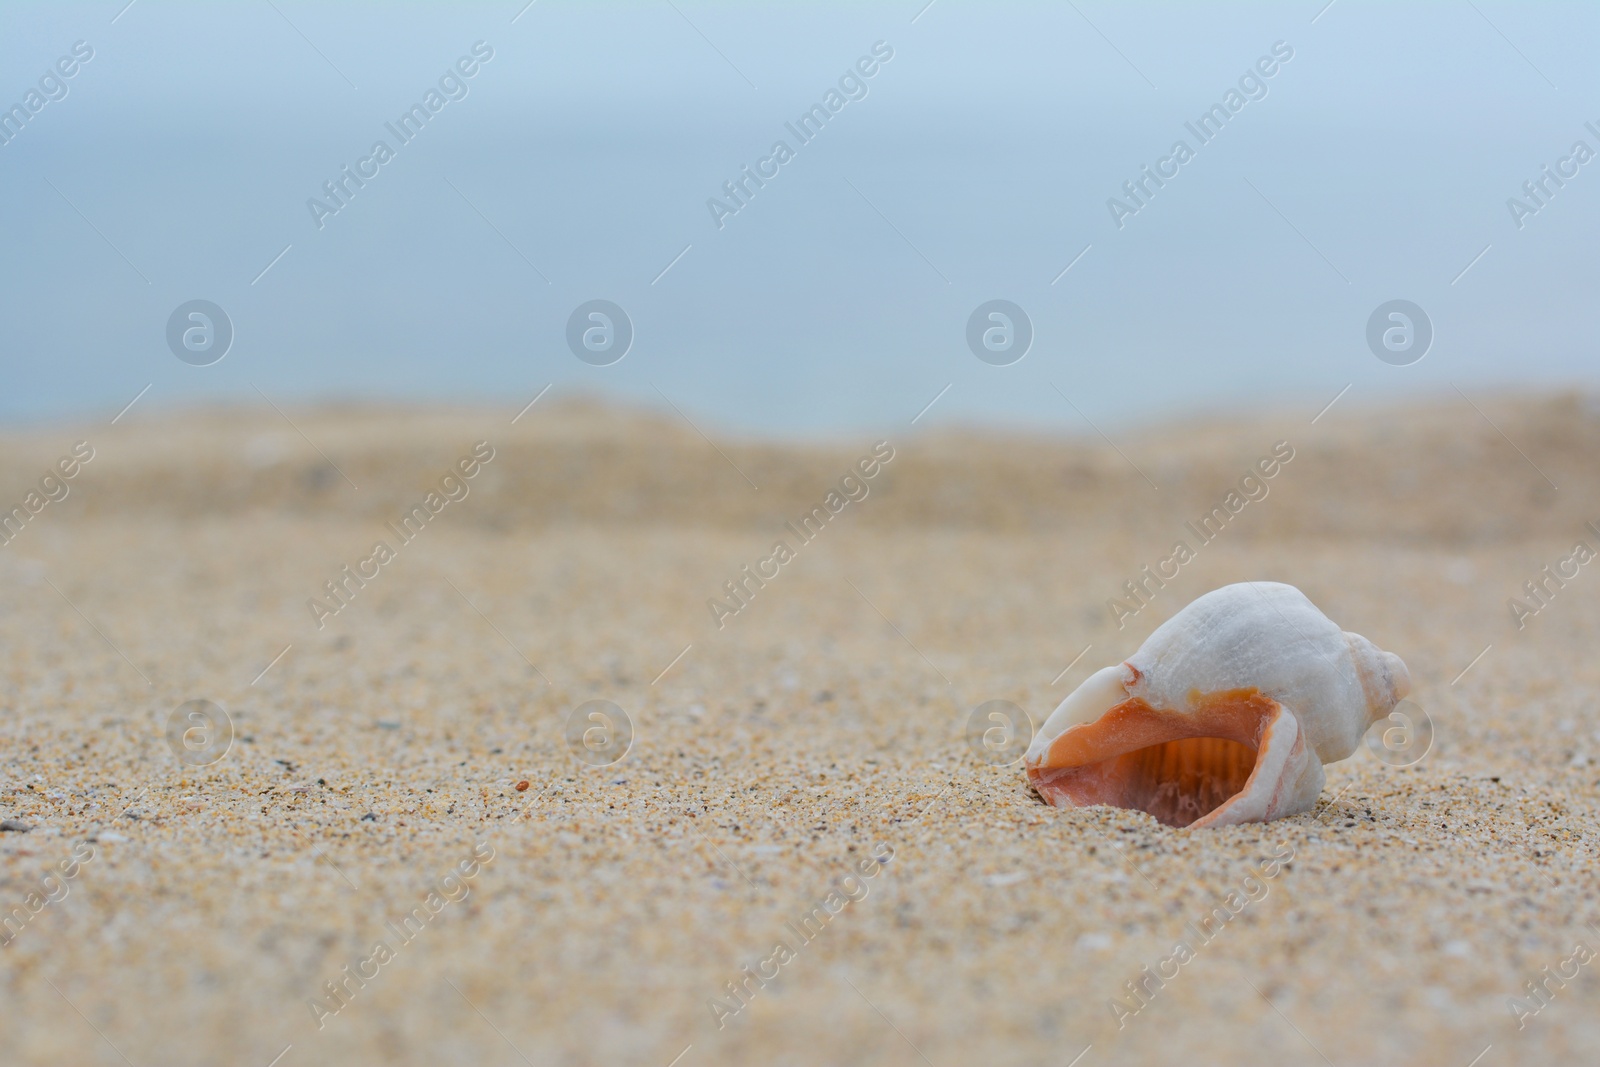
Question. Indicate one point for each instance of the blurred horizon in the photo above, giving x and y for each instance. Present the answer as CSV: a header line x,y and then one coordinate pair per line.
x,y
976,166
617,410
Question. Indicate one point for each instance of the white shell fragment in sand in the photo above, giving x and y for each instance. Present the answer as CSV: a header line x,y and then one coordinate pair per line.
x,y
1225,715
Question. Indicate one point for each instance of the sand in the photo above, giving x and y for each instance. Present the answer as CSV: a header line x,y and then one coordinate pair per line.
x,y
814,744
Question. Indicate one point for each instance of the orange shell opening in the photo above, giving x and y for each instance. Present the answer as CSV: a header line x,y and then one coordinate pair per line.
x,y
1178,767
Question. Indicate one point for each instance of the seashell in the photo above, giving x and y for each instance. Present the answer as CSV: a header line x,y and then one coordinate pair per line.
x,y
1225,715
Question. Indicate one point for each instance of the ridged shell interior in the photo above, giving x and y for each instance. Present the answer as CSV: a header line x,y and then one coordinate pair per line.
x,y
1177,767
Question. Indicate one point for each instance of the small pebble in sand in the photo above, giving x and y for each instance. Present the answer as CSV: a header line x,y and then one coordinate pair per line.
x,y
522,787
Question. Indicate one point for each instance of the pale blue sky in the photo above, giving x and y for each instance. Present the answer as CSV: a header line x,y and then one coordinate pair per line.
x,y
977,167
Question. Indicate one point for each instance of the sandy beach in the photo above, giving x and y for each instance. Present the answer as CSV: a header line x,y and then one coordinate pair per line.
x,y
350,870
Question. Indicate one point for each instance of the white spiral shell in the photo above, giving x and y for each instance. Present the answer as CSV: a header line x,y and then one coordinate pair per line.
x,y
1249,667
